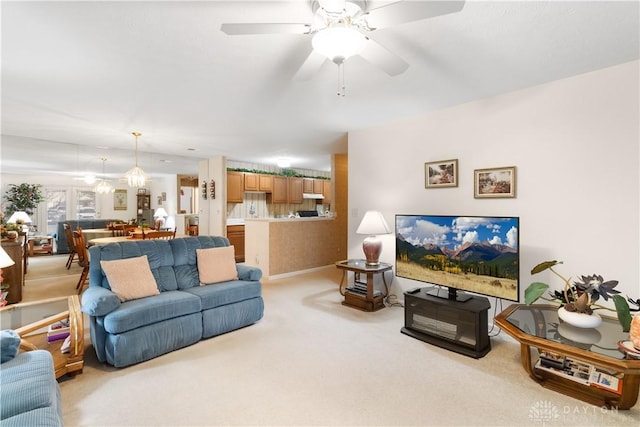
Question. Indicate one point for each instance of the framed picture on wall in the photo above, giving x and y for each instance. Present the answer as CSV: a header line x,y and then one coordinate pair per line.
x,y
494,183
443,173
120,200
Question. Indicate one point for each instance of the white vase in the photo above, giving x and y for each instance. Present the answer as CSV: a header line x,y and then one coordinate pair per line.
x,y
580,320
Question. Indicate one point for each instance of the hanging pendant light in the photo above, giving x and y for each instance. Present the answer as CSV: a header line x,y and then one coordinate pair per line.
x,y
135,176
104,187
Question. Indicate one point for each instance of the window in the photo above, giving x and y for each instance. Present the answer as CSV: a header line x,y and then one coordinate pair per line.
x,y
86,204
56,202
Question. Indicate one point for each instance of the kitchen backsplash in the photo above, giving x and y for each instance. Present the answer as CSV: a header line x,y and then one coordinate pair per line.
x,y
255,206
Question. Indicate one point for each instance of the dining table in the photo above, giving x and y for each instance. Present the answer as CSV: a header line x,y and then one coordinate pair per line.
x,y
99,241
106,240
95,233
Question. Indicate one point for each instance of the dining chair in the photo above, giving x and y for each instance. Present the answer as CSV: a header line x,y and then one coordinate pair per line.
x,y
72,247
118,230
153,234
83,258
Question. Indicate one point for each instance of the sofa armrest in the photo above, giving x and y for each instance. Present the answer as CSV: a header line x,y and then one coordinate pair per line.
x,y
246,272
97,301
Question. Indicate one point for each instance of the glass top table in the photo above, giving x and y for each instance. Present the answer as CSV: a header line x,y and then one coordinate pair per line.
x,y
539,330
542,321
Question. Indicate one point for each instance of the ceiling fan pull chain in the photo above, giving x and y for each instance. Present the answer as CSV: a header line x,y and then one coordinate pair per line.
x,y
341,88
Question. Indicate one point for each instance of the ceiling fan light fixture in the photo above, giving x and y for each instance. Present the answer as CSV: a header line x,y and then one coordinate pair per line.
x,y
284,163
135,176
338,42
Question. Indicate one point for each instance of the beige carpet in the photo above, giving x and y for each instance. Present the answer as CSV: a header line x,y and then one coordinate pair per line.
x,y
312,361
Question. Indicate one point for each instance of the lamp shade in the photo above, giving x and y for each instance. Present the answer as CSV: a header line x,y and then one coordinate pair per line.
x,y
160,213
373,224
338,42
19,216
5,259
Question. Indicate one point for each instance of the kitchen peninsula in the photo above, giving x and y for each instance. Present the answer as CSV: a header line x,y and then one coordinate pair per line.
x,y
281,246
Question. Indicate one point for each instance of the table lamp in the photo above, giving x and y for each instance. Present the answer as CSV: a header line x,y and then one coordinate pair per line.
x,y
160,214
373,224
20,217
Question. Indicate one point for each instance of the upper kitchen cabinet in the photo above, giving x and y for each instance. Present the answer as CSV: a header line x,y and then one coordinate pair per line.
x,y
295,190
280,188
235,187
265,183
307,185
326,191
258,182
251,182
318,185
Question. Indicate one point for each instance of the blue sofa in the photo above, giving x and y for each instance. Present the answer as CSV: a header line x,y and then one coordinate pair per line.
x,y
29,392
125,333
62,246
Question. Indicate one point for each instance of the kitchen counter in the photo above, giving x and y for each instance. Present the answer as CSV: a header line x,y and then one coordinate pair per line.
x,y
309,218
280,246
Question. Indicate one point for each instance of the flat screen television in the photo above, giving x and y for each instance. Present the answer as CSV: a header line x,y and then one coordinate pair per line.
x,y
468,253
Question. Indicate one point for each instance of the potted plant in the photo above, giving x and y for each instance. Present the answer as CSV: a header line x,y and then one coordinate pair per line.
x,y
579,300
23,197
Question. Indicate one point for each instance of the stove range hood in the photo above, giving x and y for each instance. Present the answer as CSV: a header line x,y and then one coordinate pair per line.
x,y
312,196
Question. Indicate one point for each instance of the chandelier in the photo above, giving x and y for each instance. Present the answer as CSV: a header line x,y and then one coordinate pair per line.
x,y
135,176
103,187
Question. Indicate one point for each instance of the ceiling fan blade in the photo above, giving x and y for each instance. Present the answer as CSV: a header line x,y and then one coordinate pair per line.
x,y
408,11
310,66
255,28
383,58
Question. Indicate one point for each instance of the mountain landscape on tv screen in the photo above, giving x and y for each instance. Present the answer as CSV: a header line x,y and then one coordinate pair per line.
x,y
482,258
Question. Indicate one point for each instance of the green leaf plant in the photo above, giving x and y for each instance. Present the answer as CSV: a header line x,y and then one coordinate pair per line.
x,y
582,295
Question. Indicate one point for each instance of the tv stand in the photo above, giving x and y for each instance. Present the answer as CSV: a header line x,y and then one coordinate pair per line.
x,y
457,326
450,294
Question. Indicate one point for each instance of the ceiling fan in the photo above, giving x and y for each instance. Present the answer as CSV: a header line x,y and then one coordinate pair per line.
x,y
341,28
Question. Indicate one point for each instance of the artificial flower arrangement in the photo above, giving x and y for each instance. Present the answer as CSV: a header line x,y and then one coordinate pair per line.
x,y
582,296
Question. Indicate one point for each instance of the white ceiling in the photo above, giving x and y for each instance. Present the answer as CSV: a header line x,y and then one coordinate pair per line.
x,y
81,75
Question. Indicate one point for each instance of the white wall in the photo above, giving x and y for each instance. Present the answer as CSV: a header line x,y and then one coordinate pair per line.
x,y
575,145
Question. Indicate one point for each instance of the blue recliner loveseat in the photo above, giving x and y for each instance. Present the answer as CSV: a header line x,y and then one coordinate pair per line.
x,y
181,314
29,392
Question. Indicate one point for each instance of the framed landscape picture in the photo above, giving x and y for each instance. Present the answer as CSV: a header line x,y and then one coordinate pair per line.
x,y
443,173
495,183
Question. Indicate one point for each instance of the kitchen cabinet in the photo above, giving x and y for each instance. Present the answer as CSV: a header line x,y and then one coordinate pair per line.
x,y
265,183
307,185
326,192
235,187
235,234
295,190
280,189
318,185
251,182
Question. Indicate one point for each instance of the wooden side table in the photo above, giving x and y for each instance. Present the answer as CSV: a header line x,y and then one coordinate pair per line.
x,y
362,295
28,322
41,245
